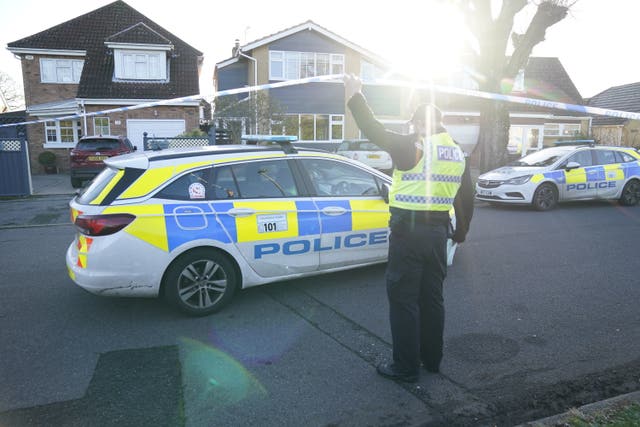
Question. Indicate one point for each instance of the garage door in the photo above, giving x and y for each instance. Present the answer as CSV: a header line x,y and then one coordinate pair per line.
x,y
158,128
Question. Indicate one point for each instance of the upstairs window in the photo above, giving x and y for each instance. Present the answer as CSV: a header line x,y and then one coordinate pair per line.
x,y
60,70
294,65
140,65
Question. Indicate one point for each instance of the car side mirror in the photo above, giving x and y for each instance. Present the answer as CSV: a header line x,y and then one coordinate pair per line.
x,y
385,192
572,165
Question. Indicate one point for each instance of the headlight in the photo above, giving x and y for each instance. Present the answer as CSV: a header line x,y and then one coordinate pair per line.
x,y
519,180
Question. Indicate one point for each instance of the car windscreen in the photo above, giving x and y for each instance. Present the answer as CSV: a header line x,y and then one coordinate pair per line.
x,y
545,157
98,145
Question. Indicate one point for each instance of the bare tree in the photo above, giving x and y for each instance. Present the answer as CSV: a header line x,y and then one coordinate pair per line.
x,y
492,64
11,97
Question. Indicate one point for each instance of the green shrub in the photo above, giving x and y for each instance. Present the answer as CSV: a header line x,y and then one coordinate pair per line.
x,y
47,158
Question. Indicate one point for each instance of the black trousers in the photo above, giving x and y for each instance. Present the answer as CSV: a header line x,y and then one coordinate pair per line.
x,y
415,272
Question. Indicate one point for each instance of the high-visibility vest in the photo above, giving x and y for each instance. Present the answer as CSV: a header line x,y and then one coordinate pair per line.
x,y
432,184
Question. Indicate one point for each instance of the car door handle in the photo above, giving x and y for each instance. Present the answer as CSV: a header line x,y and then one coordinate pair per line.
x,y
241,212
334,210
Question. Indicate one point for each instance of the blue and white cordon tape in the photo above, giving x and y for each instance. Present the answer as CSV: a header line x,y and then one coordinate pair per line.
x,y
379,82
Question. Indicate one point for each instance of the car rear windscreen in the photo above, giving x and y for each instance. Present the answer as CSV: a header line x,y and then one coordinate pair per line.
x,y
98,145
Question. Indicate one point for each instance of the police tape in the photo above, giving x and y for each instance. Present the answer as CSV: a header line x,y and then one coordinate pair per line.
x,y
377,82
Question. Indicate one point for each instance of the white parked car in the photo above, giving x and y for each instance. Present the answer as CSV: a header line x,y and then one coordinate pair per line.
x,y
574,172
366,152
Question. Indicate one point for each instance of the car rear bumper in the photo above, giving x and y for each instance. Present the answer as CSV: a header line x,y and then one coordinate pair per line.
x,y
85,173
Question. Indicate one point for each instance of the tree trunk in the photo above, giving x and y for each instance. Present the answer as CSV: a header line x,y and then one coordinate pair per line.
x,y
494,135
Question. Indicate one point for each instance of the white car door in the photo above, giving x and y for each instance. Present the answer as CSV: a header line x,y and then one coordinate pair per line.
x,y
354,217
271,225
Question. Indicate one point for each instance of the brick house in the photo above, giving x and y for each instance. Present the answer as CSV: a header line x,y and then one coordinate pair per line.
x,y
111,57
614,130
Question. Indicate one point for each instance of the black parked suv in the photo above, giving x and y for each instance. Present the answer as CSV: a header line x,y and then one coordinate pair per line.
x,y
87,159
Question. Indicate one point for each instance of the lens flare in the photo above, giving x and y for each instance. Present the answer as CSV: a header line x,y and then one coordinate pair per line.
x,y
213,380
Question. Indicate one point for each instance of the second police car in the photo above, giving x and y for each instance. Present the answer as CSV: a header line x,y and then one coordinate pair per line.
x,y
563,173
195,225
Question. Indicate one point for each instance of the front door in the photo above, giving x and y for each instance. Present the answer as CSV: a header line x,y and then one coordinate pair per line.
x,y
524,139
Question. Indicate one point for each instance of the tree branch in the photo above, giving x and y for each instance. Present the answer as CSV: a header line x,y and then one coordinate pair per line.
x,y
549,12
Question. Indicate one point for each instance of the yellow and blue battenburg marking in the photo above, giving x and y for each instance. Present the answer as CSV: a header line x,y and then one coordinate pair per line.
x,y
185,222
592,176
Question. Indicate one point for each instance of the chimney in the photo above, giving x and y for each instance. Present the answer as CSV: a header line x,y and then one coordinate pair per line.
x,y
236,48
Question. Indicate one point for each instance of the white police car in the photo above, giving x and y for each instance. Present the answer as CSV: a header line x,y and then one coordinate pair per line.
x,y
195,225
574,172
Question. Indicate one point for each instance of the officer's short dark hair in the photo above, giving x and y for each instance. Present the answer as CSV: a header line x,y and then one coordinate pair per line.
x,y
421,110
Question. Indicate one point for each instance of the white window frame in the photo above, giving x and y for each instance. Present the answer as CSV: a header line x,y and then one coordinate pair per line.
x,y
57,66
96,126
334,121
276,57
139,65
562,129
54,126
291,63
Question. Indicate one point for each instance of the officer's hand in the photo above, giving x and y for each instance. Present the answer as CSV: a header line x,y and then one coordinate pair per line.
x,y
352,85
459,235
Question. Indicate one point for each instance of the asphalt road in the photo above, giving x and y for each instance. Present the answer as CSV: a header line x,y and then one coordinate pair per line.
x,y
542,311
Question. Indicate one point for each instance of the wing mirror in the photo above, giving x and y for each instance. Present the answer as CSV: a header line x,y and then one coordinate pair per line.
x,y
572,165
385,192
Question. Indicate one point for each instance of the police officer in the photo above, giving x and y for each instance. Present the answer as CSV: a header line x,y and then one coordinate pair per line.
x,y
430,176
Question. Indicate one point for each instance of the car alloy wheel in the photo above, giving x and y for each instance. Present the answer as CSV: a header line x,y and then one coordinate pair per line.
x,y
545,197
630,193
201,282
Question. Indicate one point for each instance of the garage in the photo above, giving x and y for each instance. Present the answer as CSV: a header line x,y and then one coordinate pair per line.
x,y
157,128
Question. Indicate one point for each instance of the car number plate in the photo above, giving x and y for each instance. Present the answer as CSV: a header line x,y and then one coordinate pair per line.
x,y
373,156
96,158
485,193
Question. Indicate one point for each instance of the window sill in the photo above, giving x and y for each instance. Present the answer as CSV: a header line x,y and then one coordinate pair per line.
x,y
59,145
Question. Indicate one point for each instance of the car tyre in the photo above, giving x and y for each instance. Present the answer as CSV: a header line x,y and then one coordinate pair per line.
x,y
630,195
200,282
545,197
76,183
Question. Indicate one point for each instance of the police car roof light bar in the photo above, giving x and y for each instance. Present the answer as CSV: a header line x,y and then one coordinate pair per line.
x,y
284,141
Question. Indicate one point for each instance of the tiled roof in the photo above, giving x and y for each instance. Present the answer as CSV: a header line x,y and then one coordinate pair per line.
x,y
305,26
544,78
139,33
625,98
90,31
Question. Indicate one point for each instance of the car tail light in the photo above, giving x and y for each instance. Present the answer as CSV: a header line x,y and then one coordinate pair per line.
x,y
102,225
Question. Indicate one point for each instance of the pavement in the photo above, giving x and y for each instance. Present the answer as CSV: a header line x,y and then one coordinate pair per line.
x,y
52,184
60,185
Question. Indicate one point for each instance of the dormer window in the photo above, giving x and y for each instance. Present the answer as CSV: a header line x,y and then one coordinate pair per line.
x,y
140,65
139,54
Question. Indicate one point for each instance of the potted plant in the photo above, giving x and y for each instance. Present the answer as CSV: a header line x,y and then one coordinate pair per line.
x,y
48,161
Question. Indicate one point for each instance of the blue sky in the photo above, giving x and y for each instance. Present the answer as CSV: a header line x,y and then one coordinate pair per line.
x,y
594,43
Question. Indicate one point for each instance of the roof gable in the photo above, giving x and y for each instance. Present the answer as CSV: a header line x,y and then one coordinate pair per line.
x,y
93,28
305,26
118,21
139,33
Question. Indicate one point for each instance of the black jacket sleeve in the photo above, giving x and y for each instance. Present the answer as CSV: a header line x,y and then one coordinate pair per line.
x,y
400,147
463,204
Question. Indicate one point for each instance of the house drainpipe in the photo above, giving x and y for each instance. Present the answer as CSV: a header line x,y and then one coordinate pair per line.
x,y
255,83
84,112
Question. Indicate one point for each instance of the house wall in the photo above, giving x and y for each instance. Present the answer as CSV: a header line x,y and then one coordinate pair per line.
x,y
117,121
36,92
